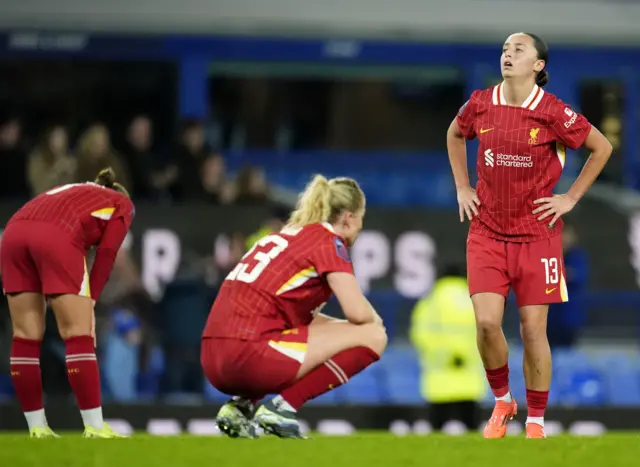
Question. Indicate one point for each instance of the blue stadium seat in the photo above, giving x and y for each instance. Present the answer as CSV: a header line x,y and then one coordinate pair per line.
x,y
585,387
365,388
516,382
327,398
623,387
515,357
400,372
340,394
149,379
387,306
400,357
404,388
566,362
212,394
615,361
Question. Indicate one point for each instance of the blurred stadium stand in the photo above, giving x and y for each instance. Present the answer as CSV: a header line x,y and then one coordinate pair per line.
x,y
596,378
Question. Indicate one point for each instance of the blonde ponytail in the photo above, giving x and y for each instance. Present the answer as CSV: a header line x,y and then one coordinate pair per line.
x,y
314,204
324,200
107,178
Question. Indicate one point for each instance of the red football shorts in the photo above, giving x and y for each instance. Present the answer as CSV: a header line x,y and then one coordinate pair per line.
x,y
534,270
38,257
254,369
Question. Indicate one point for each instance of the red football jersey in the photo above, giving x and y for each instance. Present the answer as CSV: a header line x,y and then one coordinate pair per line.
x,y
279,284
92,215
521,155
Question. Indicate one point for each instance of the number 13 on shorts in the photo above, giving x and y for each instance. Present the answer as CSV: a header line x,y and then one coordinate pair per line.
x,y
551,270
554,279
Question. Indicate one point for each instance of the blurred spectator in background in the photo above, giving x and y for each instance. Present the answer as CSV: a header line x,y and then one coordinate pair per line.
x,y
184,175
565,320
121,355
228,252
125,279
443,331
50,163
141,158
216,186
13,161
129,312
95,152
251,187
182,315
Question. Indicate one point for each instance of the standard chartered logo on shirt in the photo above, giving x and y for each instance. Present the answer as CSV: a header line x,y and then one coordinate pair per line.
x,y
506,160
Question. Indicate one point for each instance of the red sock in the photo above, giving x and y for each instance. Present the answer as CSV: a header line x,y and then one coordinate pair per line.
x,y
83,373
333,373
25,373
499,380
537,402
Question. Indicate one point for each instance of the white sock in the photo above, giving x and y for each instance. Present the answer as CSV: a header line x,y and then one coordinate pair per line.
x,y
536,420
36,419
280,403
505,398
92,418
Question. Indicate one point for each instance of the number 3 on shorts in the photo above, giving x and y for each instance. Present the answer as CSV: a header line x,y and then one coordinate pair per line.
x,y
551,272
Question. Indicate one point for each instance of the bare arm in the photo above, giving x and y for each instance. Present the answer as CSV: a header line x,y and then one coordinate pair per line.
x,y
106,252
457,148
323,319
559,205
601,149
354,304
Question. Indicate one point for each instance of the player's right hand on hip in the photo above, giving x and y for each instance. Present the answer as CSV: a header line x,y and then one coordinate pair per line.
x,y
468,203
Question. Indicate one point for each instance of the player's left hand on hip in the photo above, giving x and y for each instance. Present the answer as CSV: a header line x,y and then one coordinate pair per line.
x,y
555,206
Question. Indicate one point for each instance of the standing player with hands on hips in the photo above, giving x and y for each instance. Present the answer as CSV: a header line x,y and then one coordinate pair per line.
x,y
43,258
515,233
265,333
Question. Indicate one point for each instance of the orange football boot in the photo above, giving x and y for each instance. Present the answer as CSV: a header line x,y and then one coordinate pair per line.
x,y
535,431
502,413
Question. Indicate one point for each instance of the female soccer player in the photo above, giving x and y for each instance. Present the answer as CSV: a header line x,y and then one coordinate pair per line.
x,y
43,257
265,333
515,234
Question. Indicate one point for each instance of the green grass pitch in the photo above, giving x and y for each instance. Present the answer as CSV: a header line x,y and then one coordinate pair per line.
x,y
362,450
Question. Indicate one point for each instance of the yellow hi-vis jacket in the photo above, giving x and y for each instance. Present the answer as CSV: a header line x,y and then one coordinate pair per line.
x,y
257,235
443,332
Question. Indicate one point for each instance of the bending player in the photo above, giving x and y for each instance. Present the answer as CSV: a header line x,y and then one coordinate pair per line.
x,y
265,333
515,234
43,257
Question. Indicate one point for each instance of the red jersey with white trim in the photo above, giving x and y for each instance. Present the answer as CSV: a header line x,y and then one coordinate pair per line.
x,y
521,155
279,284
92,215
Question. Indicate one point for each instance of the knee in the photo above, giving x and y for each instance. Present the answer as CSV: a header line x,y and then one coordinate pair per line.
x,y
70,330
28,333
533,330
31,330
74,315
488,326
376,338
